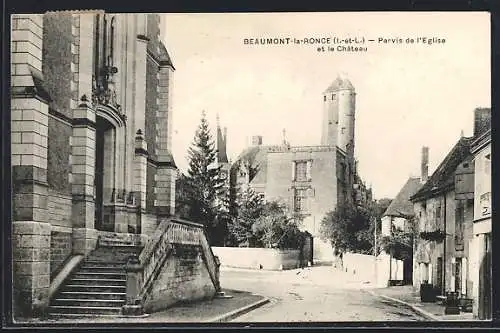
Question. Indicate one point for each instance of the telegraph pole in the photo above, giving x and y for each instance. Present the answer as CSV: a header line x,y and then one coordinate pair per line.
x,y
375,250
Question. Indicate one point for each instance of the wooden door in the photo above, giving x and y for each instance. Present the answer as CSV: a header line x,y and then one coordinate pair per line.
x,y
439,275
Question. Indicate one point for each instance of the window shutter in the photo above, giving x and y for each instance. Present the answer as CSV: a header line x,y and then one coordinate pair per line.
x,y
293,170
308,170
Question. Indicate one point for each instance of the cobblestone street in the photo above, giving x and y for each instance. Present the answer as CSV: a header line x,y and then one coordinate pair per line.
x,y
313,294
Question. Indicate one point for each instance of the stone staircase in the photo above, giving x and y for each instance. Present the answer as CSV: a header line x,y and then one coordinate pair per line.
x,y
97,287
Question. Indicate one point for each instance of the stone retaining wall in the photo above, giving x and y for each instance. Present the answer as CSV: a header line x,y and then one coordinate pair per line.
x,y
184,277
257,258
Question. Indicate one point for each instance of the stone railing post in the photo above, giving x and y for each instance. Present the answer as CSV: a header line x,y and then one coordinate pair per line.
x,y
218,288
133,269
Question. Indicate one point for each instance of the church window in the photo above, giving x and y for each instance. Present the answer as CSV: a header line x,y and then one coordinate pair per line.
x,y
324,98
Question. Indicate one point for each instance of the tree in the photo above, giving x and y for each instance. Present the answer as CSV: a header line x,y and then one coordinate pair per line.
x,y
203,181
350,228
400,243
275,229
249,207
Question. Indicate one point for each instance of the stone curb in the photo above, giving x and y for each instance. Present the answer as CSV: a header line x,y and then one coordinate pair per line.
x,y
423,313
238,312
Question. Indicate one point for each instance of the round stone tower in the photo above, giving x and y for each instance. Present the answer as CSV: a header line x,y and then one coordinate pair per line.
x,y
338,114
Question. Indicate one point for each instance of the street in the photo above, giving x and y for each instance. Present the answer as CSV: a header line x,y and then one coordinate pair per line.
x,y
317,293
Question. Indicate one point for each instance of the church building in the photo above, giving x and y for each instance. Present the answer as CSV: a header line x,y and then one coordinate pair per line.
x,y
92,166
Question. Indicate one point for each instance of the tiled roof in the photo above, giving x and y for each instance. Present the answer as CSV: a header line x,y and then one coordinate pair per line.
x,y
441,178
257,156
401,205
340,84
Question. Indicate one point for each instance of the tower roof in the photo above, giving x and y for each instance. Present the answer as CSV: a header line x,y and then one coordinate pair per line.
x,y
221,145
340,83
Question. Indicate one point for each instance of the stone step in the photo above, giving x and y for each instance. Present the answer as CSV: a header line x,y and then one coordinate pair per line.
x,y
94,288
63,309
100,275
80,315
88,302
108,258
98,282
102,267
91,295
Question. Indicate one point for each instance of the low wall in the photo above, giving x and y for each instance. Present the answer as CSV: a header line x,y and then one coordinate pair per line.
x,y
388,269
183,278
257,258
361,266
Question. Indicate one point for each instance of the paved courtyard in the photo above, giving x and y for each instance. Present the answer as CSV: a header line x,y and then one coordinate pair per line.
x,y
312,294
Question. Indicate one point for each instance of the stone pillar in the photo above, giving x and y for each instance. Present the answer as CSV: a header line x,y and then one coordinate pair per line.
x,y
166,171
140,73
83,169
140,168
29,114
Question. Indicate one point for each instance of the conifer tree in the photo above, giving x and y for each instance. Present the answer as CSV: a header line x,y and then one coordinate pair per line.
x,y
203,178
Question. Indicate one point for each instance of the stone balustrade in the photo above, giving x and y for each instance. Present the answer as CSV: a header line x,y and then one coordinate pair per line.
x,y
142,270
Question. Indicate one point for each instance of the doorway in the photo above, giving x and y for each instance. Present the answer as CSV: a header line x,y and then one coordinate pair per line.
x,y
103,174
484,306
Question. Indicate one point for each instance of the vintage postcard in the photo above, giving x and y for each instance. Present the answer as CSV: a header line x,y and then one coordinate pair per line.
x,y
250,167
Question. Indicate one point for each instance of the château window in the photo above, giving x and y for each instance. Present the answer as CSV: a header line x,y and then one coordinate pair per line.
x,y
300,171
300,200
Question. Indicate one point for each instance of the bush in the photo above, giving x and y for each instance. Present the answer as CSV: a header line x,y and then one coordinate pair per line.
x,y
275,229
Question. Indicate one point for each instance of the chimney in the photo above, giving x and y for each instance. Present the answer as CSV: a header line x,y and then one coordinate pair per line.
x,y
482,120
425,165
256,140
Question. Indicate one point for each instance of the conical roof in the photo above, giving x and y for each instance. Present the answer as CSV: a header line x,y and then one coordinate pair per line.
x,y
340,83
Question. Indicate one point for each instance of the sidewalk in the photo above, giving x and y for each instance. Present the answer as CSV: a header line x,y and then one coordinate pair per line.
x,y
406,296
205,311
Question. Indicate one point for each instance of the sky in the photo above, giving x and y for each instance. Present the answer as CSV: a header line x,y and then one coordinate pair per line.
x,y
407,95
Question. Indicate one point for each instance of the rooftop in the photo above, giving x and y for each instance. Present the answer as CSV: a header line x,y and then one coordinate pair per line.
x,y
340,83
401,206
441,178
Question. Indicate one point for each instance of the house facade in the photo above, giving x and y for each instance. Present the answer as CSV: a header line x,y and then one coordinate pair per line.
x,y
398,216
310,180
480,243
444,208
91,140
